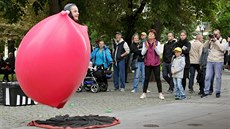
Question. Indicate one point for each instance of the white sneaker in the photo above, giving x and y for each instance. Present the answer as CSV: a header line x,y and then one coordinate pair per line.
x,y
133,91
161,96
143,96
148,91
122,89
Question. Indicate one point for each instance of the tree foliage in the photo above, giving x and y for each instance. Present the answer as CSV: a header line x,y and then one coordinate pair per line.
x,y
12,10
104,17
222,18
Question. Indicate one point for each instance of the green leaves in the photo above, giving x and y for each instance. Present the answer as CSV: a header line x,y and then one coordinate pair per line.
x,y
222,18
12,11
129,16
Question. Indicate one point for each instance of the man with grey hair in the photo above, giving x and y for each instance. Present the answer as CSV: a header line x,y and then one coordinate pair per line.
x,y
217,46
194,55
121,50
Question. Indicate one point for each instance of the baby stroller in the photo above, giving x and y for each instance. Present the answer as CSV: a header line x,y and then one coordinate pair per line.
x,y
96,79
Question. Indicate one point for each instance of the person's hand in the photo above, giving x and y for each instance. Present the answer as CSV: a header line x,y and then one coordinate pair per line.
x,y
154,45
213,39
184,48
173,71
147,45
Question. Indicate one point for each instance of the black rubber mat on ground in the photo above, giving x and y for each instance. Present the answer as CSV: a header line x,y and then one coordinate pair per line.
x,y
76,122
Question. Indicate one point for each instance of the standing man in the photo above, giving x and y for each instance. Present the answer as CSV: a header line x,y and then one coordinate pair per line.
x,y
194,55
215,63
185,45
121,50
167,58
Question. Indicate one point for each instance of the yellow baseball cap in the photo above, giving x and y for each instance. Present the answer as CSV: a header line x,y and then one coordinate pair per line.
x,y
143,33
178,49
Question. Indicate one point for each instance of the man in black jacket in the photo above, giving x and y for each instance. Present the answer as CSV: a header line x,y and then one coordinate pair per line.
x,y
167,58
185,45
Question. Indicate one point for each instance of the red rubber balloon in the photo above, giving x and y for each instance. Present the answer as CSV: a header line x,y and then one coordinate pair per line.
x,y
53,59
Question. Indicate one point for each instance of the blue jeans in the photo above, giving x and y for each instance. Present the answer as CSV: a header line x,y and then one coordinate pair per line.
x,y
178,88
140,70
202,82
166,71
119,73
211,69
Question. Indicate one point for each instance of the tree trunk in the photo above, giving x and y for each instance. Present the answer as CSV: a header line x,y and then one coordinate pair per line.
x,y
131,21
158,27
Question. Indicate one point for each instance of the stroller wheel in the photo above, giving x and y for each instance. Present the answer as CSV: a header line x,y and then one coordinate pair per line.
x,y
87,88
103,86
79,89
95,88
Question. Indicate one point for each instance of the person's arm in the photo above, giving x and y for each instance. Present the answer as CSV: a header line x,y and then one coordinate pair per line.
x,y
144,49
200,50
135,50
164,50
207,44
158,48
172,67
222,46
186,48
92,55
108,56
127,50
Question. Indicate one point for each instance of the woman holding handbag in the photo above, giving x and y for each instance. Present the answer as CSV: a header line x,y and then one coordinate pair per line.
x,y
137,62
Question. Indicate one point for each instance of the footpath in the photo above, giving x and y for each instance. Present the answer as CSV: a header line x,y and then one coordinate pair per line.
x,y
133,112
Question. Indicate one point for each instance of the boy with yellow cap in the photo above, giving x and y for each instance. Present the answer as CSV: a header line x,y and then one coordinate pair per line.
x,y
177,68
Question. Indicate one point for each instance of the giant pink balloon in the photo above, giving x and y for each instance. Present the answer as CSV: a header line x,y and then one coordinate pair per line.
x,y
52,60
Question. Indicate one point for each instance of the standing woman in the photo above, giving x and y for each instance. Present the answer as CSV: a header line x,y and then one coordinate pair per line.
x,y
185,45
152,50
136,48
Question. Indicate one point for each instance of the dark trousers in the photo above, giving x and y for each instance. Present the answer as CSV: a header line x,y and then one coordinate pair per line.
x,y
225,57
186,75
6,73
156,72
167,75
192,70
127,67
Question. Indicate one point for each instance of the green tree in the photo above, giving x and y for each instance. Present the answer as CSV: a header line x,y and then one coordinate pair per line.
x,y
222,18
104,17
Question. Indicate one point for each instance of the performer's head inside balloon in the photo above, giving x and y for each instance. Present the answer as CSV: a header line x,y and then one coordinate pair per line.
x,y
74,13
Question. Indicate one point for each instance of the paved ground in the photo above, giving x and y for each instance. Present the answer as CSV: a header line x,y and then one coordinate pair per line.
x,y
134,113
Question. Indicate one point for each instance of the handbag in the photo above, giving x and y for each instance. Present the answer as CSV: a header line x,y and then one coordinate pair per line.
x,y
134,64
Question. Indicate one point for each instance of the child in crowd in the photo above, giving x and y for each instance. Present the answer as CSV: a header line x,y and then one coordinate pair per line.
x,y
177,69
